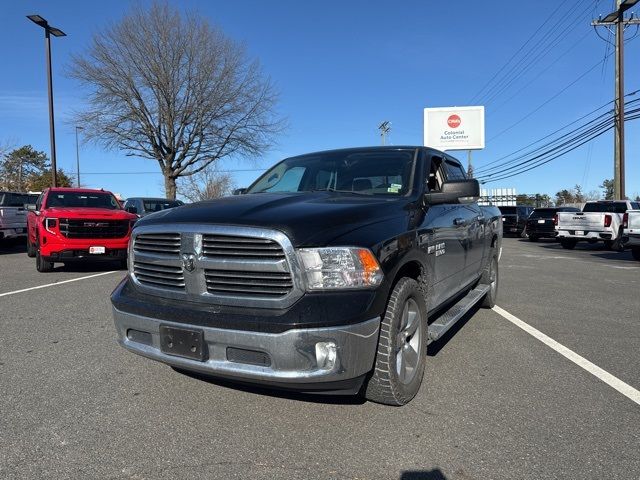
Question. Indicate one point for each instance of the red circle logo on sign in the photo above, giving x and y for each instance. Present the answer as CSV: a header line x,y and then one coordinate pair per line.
x,y
454,121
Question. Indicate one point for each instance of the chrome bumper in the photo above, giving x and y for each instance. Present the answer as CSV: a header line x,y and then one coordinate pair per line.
x,y
292,354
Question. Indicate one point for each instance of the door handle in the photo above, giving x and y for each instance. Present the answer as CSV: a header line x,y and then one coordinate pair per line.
x,y
458,221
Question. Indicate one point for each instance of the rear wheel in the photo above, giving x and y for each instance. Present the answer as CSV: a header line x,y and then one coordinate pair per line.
x,y
533,238
43,265
635,251
402,347
568,243
491,277
31,249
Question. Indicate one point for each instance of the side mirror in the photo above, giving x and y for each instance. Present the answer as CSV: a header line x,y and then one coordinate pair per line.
x,y
30,207
239,191
131,209
458,191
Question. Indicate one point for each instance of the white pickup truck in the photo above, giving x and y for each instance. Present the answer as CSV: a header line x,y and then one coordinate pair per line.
x,y
13,216
598,222
631,225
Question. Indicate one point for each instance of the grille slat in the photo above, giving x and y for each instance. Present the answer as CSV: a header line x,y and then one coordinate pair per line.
x,y
159,275
90,228
163,243
216,246
248,283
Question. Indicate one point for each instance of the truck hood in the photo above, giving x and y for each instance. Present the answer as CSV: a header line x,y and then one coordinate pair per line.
x,y
98,213
308,219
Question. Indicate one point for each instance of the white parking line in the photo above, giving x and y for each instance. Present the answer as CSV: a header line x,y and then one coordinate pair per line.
x,y
57,283
614,382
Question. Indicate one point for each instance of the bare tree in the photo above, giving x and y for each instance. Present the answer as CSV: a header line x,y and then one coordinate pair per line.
x,y
172,88
205,185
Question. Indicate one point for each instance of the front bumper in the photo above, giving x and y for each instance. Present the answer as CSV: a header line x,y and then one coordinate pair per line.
x,y
632,240
288,359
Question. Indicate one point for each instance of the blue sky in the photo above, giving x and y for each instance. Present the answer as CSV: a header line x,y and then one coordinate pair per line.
x,y
342,68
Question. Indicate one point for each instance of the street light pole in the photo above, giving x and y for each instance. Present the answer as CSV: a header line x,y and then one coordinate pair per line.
x,y
56,32
78,156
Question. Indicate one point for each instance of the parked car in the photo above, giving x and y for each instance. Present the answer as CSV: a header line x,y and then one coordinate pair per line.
x,y
76,224
13,215
542,222
599,221
142,206
631,232
514,218
320,277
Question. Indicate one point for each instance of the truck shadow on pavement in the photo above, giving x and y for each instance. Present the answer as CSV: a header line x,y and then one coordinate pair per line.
x,y
12,246
435,474
595,250
273,392
88,267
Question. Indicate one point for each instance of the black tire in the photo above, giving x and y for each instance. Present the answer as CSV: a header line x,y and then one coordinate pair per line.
x,y
31,249
389,383
41,264
123,264
568,243
533,238
635,251
491,277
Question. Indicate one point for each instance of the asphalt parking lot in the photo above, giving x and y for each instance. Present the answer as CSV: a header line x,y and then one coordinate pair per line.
x,y
496,402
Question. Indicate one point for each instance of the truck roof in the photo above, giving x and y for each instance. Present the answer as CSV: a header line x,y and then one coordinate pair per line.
x,y
79,190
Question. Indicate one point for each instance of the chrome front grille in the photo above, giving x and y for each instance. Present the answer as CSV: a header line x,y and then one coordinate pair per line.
x,y
268,284
160,276
240,247
158,243
240,266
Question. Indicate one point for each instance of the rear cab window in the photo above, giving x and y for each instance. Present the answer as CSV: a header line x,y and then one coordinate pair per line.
x,y
605,207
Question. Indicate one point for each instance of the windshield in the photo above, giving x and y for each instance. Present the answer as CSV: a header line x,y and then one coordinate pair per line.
x,y
9,199
543,213
82,200
609,207
158,205
367,173
508,210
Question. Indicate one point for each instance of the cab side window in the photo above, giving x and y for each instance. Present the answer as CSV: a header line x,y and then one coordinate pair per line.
x,y
454,170
39,202
436,176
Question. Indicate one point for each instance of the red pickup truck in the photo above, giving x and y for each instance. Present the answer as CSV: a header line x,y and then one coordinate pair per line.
x,y
75,224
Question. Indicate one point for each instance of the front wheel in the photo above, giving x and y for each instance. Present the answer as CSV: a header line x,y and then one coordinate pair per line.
x,y
43,265
402,347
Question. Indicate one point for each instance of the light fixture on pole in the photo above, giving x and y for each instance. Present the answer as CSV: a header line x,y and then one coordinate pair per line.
x,y
78,156
56,32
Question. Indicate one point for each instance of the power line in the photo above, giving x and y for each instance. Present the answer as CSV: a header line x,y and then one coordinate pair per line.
x,y
515,54
560,150
160,173
547,101
535,55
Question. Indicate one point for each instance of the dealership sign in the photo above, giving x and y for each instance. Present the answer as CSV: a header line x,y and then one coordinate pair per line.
x,y
454,128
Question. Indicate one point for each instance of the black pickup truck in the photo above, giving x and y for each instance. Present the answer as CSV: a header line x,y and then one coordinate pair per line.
x,y
331,273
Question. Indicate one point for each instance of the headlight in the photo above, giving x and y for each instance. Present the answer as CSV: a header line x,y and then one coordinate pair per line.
x,y
49,224
334,268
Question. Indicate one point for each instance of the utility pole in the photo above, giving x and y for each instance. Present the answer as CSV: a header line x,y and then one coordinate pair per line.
x,y
385,128
616,19
78,156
